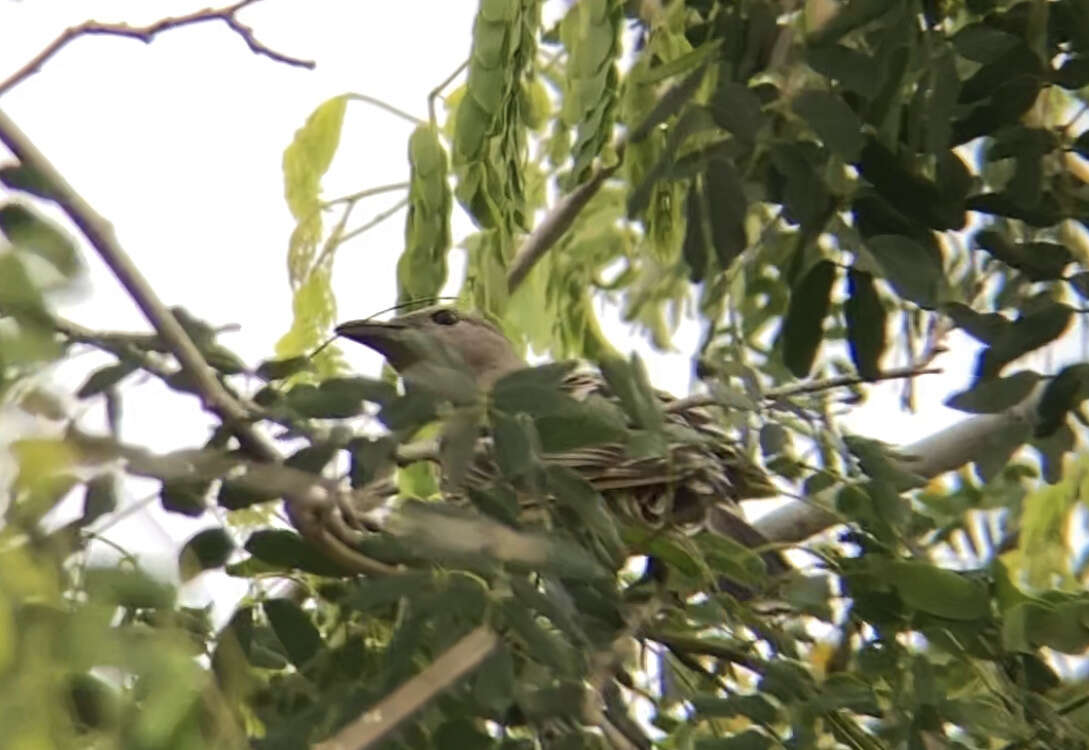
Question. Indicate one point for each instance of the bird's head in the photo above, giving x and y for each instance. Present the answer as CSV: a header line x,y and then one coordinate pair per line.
x,y
426,345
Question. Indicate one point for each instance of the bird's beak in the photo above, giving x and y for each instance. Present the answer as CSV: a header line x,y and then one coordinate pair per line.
x,y
387,338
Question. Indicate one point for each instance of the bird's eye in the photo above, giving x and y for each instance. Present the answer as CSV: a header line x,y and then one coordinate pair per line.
x,y
445,317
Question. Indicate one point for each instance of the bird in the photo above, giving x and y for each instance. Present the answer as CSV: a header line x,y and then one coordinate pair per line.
x,y
696,483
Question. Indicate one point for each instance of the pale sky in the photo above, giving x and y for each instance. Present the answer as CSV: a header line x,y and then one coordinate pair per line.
x,y
179,144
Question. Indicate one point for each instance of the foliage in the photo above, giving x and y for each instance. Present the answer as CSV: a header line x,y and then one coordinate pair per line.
x,y
804,178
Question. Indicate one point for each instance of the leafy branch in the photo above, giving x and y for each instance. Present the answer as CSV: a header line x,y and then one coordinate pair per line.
x,y
309,513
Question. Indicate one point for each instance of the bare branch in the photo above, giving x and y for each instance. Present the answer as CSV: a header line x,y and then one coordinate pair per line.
x,y
147,33
377,722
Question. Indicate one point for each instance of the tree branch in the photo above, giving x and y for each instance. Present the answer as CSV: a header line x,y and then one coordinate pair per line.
x,y
309,514
147,33
309,491
969,440
101,236
558,221
376,723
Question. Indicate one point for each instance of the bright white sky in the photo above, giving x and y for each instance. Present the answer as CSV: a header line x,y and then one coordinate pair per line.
x,y
179,142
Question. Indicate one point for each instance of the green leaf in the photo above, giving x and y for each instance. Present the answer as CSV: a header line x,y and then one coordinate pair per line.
x,y
756,707
104,379
914,272
300,639
99,499
993,396
370,458
913,196
727,208
309,155
236,494
983,327
852,68
498,502
458,442
1043,212
549,376
1025,334
18,294
31,233
541,644
22,177
628,383
493,682
696,242
278,369
1063,394
737,109
1039,261
515,443
803,193
462,732
184,496
368,595
984,43
289,551
134,589
1000,446
938,591
875,459
312,458
562,422
866,318
669,104
848,18
575,493
803,325
206,549
774,439
1053,448
832,120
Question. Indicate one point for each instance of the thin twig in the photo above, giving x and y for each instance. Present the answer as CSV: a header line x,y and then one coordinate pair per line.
x,y
437,91
815,386
147,33
377,722
388,107
354,197
378,219
558,221
895,373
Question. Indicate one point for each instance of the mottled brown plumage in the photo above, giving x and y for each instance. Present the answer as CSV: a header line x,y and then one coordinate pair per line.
x,y
690,486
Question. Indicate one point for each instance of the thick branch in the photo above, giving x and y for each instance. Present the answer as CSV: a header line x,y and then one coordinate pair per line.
x,y
147,33
376,723
969,440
